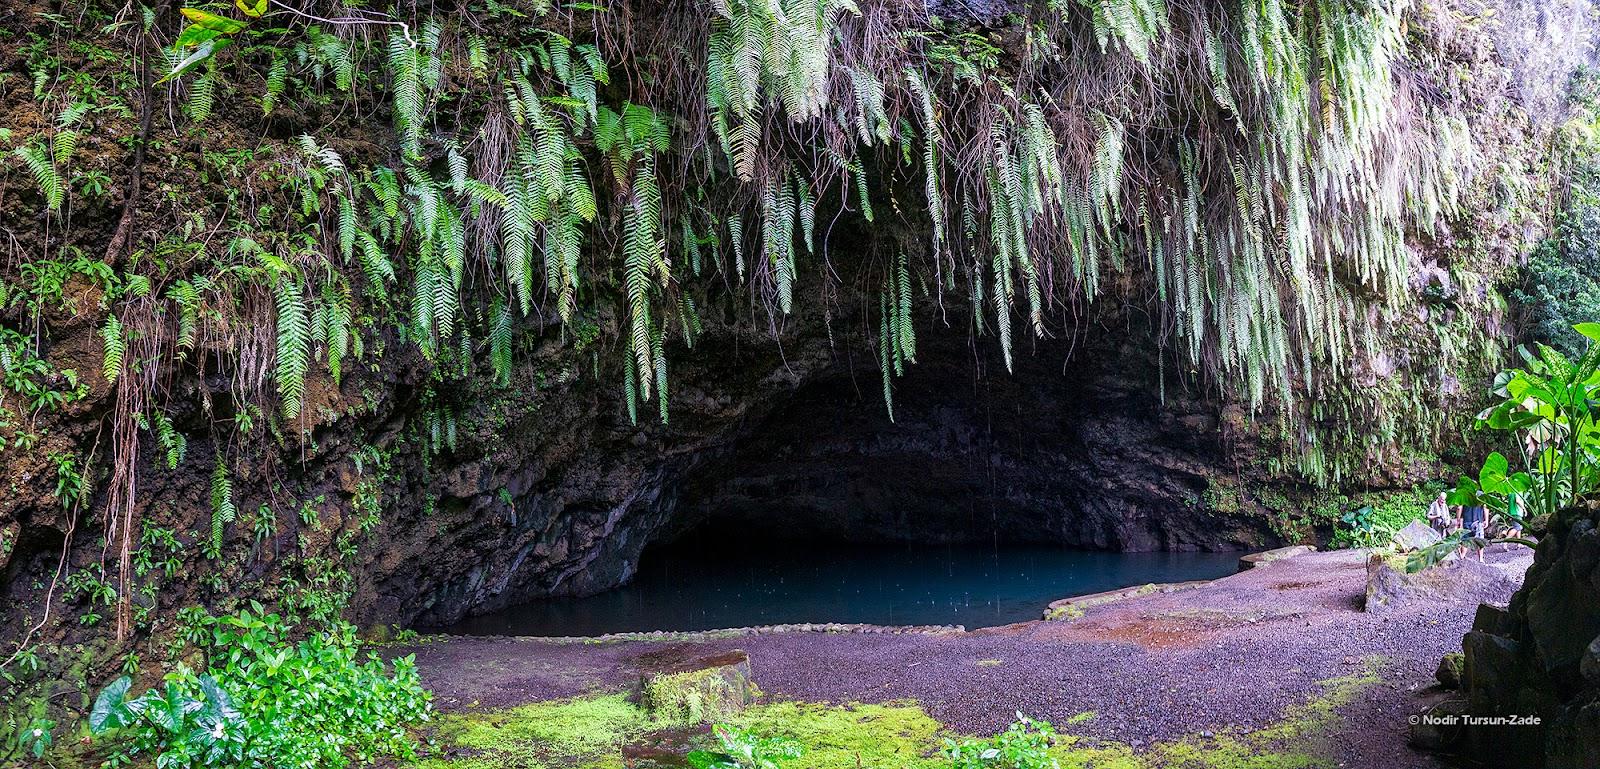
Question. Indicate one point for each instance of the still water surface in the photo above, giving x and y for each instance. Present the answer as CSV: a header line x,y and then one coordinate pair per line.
x,y
697,587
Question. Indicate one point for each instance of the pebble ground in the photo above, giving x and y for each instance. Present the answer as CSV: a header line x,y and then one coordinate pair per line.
x,y
1232,653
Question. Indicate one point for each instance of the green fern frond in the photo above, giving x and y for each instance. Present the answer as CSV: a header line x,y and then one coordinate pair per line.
x,y
223,511
500,341
41,165
114,346
293,343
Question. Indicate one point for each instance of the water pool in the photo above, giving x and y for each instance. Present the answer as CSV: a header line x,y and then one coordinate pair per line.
x,y
703,587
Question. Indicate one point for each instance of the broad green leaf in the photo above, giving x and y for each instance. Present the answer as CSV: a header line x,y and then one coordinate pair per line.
x,y
1465,492
221,24
217,702
194,35
1494,470
200,55
109,712
251,9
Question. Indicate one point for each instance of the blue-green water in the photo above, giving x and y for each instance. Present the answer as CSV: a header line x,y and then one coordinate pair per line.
x,y
700,588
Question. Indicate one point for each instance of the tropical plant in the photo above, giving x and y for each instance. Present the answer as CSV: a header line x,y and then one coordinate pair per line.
x,y
1023,745
187,723
743,749
1361,528
1549,408
262,694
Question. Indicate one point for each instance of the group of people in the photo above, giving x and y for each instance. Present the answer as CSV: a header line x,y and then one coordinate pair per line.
x,y
1474,519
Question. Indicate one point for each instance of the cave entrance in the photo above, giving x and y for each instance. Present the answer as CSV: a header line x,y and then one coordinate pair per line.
x,y
987,498
1081,452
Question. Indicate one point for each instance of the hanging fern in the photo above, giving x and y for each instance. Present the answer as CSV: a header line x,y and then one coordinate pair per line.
x,y
406,71
187,297
500,342
115,345
173,444
222,507
293,343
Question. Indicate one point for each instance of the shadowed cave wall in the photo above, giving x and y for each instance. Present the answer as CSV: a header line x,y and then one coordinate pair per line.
x,y
1068,451
1074,447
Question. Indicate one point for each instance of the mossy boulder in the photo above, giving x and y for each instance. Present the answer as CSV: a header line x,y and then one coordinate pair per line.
x,y
1449,672
678,687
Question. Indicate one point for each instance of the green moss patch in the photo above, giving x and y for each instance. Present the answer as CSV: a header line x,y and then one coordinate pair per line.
x,y
896,734
585,732
596,731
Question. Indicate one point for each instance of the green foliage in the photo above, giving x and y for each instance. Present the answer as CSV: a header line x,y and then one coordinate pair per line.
x,y
1024,745
37,738
1371,520
293,359
188,723
262,694
115,346
1560,284
42,166
743,749
223,511
1550,407
897,337
1134,23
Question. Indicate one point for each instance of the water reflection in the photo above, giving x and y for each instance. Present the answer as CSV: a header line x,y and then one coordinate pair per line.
x,y
700,586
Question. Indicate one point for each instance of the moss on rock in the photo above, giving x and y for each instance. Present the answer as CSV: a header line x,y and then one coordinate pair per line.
x,y
599,730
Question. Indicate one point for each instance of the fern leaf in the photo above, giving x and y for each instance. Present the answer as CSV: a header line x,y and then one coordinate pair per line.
x,y
114,346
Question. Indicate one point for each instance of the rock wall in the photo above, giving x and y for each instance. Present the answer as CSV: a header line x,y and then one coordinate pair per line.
x,y
1540,657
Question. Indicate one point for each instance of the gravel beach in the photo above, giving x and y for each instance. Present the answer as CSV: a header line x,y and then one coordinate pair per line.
x,y
1231,653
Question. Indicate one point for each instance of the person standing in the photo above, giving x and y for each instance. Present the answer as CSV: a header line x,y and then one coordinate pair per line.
x,y
1474,519
1516,509
1439,514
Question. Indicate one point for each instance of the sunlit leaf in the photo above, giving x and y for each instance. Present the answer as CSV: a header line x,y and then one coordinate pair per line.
x,y
206,50
194,35
221,24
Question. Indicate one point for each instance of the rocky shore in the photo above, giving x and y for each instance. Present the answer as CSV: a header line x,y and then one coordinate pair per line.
x,y
1231,656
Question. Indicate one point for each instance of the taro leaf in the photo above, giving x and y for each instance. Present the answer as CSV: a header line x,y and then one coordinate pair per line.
x,y
109,711
1465,492
705,759
218,705
1494,470
206,50
1520,483
220,24
1438,551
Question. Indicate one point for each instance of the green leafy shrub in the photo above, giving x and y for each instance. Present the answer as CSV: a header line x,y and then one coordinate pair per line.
x,y
1023,745
266,700
744,749
1370,520
1559,286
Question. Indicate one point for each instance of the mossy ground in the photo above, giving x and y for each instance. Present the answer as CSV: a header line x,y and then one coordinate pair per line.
x,y
592,732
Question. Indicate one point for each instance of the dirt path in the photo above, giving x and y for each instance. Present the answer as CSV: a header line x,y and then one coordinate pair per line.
x,y
1232,653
